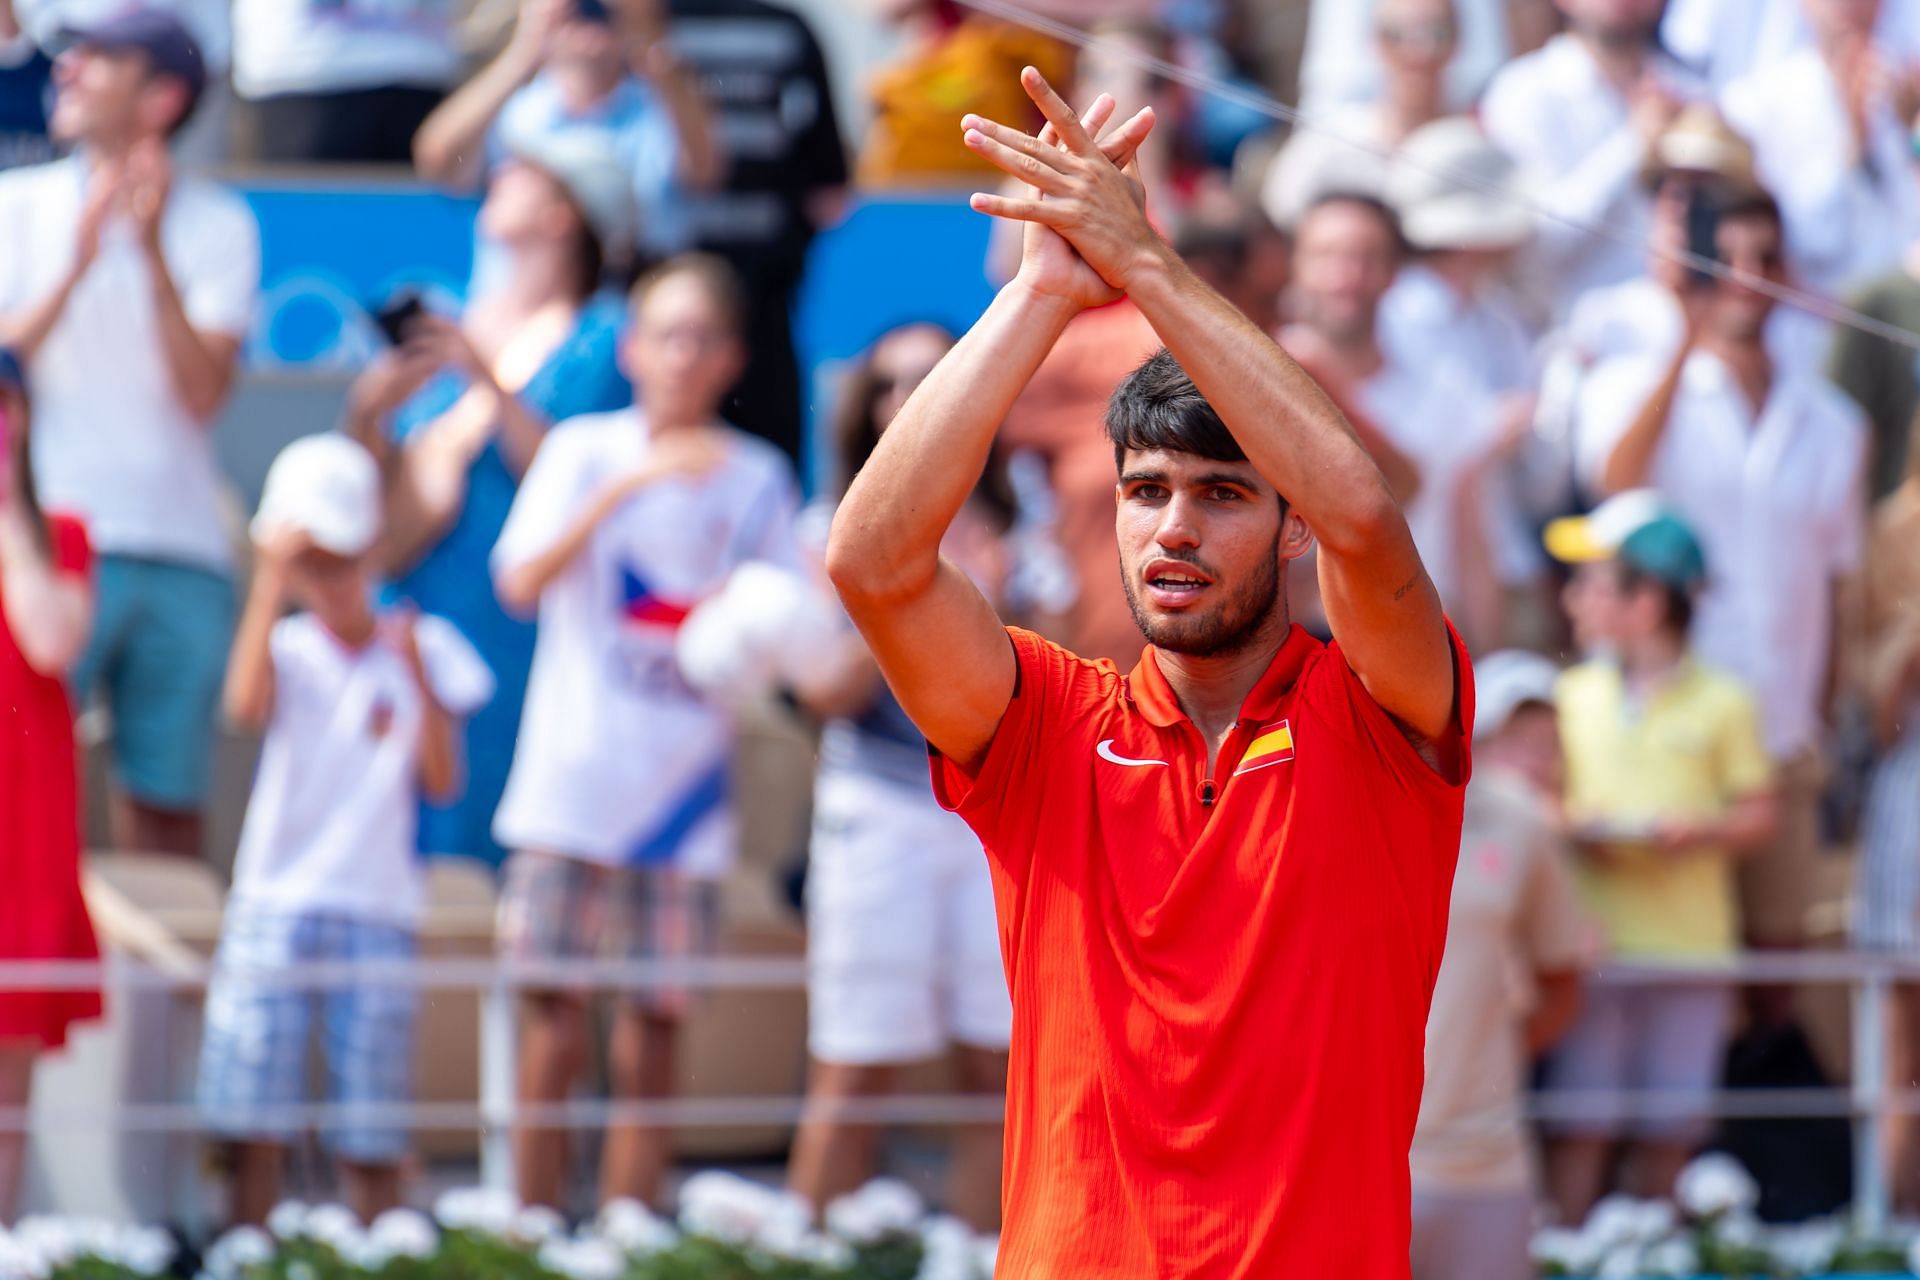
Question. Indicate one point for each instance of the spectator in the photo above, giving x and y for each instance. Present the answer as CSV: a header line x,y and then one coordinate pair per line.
x,y
45,598
1727,39
1831,128
583,67
1883,376
360,715
1237,250
1351,148
953,63
1346,253
1342,66
26,94
617,807
1458,199
762,71
341,81
1667,783
127,292
1732,442
902,942
457,413
1508,989
1886,906
1581,114
205,141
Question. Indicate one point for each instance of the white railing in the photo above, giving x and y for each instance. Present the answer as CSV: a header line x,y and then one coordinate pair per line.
x,y
1871,1100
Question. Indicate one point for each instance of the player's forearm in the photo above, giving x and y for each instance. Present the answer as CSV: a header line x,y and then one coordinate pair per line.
x,y
886,534
1288,427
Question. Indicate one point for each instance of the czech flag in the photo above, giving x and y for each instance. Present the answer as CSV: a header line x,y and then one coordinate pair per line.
x,y
643,606
1272,744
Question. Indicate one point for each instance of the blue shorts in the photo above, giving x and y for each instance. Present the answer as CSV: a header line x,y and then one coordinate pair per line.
x,y
159,652
255,1051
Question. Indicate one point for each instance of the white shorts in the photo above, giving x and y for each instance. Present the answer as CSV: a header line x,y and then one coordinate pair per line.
x,y
903,947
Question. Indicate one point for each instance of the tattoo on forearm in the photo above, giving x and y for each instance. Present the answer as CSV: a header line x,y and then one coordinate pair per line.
x,y
1406,587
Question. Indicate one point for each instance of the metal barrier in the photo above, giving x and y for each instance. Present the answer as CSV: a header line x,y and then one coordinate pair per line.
x,y
1870,1100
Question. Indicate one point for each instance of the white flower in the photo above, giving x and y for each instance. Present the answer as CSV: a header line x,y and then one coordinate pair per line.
x,y
1622,1220
1808,1248
485,1210
634,1228
1715,1184
237,1250
810,1247
537,1224
987,1251
19,1262
733,1209
145,1251
1620,1263
288,1220
54,1242
585,1259
949,1249
403,1233
333,1225
1563,1248
1913,1256
883,1207
1741,1230
1673,1257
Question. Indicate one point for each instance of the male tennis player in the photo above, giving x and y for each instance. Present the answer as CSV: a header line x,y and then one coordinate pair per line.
x,y
1222,880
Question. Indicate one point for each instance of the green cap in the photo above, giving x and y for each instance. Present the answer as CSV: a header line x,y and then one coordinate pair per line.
x,y
1665,549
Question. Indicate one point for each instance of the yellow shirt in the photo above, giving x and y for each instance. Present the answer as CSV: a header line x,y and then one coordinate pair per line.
x,y
1689,751
915,139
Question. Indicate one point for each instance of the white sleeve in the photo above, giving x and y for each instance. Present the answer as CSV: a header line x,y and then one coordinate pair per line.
x,y
1610,398
290,646
220,283
1687,30
547,503
460,678
777,538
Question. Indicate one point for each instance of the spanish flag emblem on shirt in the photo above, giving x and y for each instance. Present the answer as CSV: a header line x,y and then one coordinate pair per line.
x,y
1272,744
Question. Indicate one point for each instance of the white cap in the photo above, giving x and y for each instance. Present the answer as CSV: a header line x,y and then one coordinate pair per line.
x,y
1504,682
328,486
1454,188
590,170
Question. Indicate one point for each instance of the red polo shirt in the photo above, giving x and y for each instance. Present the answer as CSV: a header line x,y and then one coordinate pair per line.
x,y
1220,985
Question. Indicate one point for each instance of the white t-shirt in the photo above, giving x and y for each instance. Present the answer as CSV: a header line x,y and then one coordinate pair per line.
x,y
1847,221
331,824
1445,424
332,46
1556,113
1779,506
618,760
112,441
1729,38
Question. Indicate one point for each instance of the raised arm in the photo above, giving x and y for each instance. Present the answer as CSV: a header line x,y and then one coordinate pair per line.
x,y
1379,601
450,146
937,640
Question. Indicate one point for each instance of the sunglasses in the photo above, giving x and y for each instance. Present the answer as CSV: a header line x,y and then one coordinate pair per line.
x,y
1426,37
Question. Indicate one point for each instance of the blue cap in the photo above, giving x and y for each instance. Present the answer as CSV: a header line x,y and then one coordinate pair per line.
x,y
1665,549
163,38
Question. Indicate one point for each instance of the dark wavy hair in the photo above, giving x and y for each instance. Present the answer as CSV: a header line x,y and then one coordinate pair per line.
x,y
857,428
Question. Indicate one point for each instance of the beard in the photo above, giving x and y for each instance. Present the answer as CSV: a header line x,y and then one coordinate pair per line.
x,y
1227,627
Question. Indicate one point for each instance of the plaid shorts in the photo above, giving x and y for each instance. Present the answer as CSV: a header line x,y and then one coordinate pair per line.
x,y
559,908
256,1049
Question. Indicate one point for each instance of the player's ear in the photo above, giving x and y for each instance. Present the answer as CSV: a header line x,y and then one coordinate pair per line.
x,y
1295,536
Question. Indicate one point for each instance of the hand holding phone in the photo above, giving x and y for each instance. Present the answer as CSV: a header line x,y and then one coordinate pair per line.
x,y
397,316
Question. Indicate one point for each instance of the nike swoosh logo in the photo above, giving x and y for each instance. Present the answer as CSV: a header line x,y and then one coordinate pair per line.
x,y
1106,752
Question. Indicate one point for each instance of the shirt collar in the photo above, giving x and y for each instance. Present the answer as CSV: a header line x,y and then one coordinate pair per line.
x,y
1148,690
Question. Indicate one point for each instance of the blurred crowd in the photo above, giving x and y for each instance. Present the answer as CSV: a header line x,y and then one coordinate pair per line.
x,y
1621,294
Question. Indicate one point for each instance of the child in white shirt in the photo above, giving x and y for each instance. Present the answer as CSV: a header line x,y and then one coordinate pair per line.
x,y
359,713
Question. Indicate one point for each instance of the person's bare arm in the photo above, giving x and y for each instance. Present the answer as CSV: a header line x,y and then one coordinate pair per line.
x,y
47,612
28,328
200,365
450,146
1556,1004
701,162
681,453
248,696
936,638
1630,464
1745,826
1378,598
439,764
